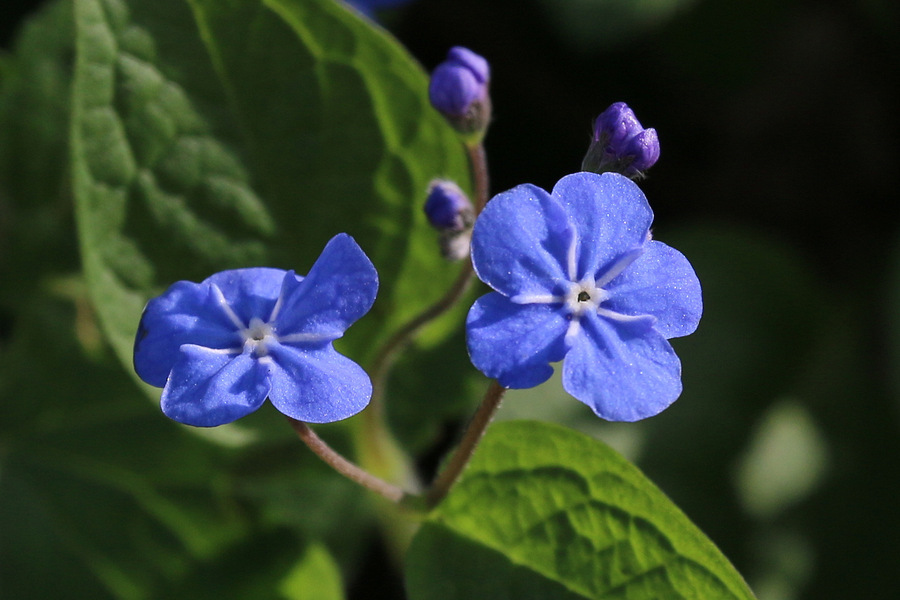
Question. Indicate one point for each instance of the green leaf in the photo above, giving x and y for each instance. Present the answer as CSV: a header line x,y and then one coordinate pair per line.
x,y
209,135
315,577
265,567
545,512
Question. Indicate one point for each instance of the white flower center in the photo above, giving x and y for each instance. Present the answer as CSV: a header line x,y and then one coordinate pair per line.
x,y
584,296
257,335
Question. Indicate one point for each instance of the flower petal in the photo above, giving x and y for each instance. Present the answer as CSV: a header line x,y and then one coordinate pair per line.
x,y
250,292
662,283
623,373
339,289
317,385
209,388
520,243
187,313
514,343
610,214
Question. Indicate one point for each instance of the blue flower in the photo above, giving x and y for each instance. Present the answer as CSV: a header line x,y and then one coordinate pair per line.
x,y
220,347
577,277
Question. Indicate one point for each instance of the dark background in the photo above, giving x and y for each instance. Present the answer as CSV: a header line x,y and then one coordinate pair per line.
x,y
777,120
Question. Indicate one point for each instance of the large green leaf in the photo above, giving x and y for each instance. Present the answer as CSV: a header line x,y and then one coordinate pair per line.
x,y
544,512
210,135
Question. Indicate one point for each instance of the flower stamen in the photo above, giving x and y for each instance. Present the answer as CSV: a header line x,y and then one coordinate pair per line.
x,y
257,335
584,296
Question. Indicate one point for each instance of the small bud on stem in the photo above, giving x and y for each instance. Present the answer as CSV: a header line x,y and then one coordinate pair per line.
x,y
620,144
459,90
450,212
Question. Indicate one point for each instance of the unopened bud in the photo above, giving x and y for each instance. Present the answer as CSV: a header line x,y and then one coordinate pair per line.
x,y
459,90
620,144
448,207
450,212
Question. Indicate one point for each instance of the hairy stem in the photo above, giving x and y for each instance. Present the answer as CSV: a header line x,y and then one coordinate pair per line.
x,y
473,434
343,466
478,163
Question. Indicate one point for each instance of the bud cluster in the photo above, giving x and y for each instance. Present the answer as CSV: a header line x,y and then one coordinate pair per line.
x,y
620,144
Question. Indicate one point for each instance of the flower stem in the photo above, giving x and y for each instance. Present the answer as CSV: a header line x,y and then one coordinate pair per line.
x,y
478,164
384,360
477,426
343,466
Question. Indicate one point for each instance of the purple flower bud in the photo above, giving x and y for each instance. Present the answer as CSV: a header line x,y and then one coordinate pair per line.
x,y
447,206
644,147
450,212
617,123
459,90
621,144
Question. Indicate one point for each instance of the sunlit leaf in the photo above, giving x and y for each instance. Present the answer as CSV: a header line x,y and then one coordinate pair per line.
x,y
544,512
209,135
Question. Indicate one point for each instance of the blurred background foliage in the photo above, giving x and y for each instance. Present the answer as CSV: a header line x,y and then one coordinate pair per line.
x,y
779,132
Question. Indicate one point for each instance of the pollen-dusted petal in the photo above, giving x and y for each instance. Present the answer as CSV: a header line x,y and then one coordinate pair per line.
x,y
211,387
317,384
623,373
610,214
187,313
521,242
250,292
661,283
339,289
514,343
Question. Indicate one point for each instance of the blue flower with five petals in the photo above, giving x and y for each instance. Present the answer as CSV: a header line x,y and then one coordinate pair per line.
x,y
578,277
219,348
